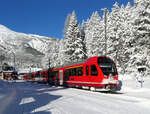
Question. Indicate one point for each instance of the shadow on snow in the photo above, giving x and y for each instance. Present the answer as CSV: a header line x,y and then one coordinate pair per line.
x,y
34,91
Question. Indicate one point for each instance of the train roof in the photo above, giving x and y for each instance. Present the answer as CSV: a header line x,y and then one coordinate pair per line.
x,y
89,60
70,64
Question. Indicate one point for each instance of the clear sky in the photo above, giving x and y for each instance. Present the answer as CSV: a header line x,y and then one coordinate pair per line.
x,y
47,17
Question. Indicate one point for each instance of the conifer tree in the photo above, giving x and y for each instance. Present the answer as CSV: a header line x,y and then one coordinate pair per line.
x,y
66,25
141,33
120,33
113,31
83,27
93,36
61,55
73,42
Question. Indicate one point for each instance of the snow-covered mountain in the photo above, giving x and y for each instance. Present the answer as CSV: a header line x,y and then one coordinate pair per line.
x,y
27,48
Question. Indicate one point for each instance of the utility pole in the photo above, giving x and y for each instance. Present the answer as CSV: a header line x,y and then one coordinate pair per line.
x,y
105,21
49,63
14,59
1,57
105,17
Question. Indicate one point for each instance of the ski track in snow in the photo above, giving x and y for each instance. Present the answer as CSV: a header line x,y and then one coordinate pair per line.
x,y
28,98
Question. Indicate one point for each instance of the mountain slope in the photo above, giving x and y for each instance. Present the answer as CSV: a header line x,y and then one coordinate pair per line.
x,y
27,49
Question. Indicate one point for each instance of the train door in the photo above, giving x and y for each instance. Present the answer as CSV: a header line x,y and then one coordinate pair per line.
x,y
93,73
87,78
50,77
61,77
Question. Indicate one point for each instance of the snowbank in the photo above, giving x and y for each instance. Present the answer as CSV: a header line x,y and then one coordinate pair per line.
x,y
131,85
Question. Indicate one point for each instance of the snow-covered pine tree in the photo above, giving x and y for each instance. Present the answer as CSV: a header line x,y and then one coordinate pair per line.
x,y
61,55
63,44
66,25
73,42
93,36
70,38
83,27
127,23
119,33
141,33
112,30
51,54
54,56
78,54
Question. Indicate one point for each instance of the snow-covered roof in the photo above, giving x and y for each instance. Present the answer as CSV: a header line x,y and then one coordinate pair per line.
x,y
27,70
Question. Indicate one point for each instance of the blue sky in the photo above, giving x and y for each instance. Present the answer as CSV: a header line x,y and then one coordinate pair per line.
x,y
47,17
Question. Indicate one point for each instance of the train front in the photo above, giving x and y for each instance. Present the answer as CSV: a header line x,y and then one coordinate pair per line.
x,y
110,74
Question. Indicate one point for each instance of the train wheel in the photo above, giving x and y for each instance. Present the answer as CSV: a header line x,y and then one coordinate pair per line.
x,y
93,89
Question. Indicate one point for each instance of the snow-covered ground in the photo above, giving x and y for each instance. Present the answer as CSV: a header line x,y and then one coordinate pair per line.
x,y
27,98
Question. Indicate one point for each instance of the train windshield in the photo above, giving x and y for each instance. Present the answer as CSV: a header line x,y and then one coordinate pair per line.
x,y
107,66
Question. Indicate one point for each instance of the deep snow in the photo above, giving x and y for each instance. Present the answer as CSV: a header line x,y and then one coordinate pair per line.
x,y
25,97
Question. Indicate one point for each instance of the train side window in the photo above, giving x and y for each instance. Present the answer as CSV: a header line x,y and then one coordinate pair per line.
x,y
56,74
32,75
66,74
79,71
38,74
69,70
87,70
43,75
94,71
73,72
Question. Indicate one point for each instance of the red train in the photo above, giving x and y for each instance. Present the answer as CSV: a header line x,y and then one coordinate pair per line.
x,y
95,73
39,76
98,72
28,76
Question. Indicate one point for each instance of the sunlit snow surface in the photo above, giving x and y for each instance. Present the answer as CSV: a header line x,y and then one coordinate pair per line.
x,y
25,98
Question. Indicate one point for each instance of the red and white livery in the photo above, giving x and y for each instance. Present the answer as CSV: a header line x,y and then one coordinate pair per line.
x,y
98,72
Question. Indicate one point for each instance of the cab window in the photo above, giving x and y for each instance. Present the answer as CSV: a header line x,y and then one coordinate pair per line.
x,y
94,71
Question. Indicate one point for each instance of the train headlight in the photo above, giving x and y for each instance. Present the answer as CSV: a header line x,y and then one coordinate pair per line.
x,y
105,81
111,76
